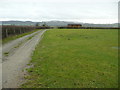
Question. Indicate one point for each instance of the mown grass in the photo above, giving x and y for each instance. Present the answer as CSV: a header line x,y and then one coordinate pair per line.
x,y
10,38
75,59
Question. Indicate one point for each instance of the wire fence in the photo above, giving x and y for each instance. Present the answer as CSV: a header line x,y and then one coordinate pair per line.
x,y
8,30
88,27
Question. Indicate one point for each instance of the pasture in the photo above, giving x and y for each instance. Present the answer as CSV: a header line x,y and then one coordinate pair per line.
x,y
75,58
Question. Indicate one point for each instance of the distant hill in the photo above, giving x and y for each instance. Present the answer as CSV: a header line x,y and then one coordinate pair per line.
x,y
49,23
18,23
57,23
100,25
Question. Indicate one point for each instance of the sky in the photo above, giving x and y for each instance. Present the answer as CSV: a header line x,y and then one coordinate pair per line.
x,y
86,11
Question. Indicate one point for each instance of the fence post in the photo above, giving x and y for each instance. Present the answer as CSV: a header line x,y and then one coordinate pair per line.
x,y
6,33
14,32
20,31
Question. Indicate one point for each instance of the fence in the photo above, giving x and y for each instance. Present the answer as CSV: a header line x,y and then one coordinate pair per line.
x,y
89,28
8,30
43,27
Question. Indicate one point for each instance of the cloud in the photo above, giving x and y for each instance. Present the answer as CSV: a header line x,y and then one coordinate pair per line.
x,y
39,10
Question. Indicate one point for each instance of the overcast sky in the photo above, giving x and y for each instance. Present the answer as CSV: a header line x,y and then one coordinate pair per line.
x,y
88,11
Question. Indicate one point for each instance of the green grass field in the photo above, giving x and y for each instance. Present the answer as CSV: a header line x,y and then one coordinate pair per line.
x,y
75,59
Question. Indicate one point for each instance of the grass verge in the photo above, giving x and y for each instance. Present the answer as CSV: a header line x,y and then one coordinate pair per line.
x,y
75,59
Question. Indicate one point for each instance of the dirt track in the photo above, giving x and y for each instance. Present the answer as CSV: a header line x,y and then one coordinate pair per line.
x,y
16,59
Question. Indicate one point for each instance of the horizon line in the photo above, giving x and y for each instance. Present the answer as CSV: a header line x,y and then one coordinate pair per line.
x,y
59,21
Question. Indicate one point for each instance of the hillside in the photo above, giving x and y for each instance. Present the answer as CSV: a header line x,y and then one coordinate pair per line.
x,y
57,23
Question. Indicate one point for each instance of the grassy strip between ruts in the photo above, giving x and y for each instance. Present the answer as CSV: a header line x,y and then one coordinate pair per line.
x,y
75,59
10,38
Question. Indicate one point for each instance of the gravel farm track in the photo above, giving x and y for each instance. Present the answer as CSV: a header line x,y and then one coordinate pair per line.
x,y
15,57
